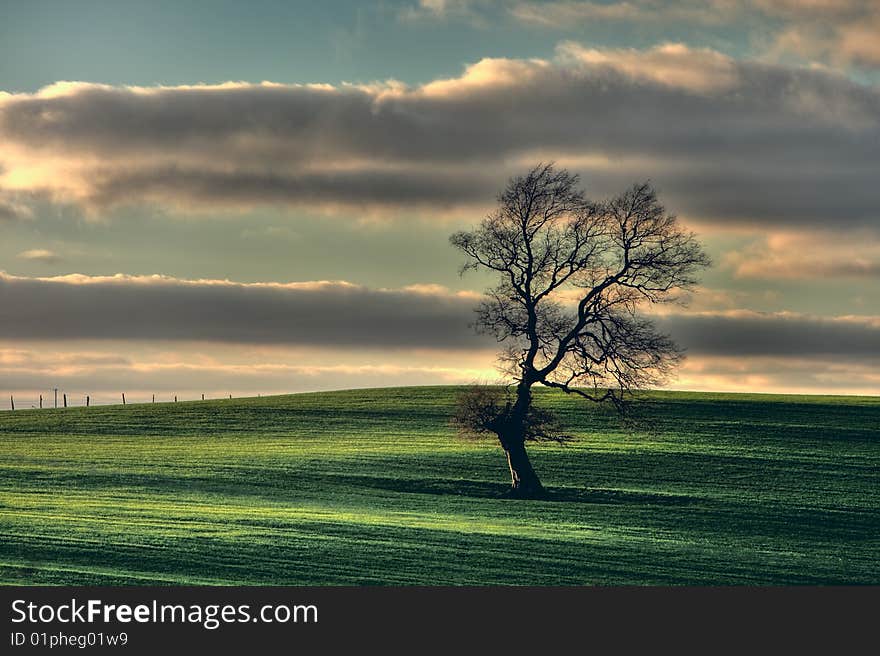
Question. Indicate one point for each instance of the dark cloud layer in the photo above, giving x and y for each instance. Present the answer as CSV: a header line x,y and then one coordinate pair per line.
x,y
322,314
752,334
413,188
341,315
725,140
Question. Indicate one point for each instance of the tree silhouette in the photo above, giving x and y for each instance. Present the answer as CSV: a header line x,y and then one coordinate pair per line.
x,y
572,276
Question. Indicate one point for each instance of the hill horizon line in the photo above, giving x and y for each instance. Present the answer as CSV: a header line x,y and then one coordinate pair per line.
x,y
663,393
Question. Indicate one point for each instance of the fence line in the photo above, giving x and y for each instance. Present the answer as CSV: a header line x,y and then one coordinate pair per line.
x,y
65,403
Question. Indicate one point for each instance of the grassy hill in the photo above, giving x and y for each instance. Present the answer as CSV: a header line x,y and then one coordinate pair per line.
x,y
372,487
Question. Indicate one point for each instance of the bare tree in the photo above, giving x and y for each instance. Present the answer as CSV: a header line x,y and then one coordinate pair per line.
x,y
572,275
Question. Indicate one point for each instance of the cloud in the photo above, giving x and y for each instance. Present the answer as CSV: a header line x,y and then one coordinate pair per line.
x,y
341,315
323,313
12,206
840,33
40,255
103,376
779,375
726,141
477,12
157,334
8,212
714,299
673,65
564,14
805,256
858,42
364,189
837,32
782,334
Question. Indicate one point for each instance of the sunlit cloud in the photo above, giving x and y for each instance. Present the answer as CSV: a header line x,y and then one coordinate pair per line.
x,y
778,375
807,256
728,142
836,32
671,64
40,255
189,372
844,34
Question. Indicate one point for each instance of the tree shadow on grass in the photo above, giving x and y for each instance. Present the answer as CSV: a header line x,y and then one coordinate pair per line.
x,y
487,490
282,483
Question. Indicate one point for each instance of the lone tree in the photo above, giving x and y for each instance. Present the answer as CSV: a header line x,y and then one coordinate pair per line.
x,y
572,275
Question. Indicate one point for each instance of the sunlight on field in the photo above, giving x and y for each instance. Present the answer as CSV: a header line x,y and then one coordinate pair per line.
x,y
373,487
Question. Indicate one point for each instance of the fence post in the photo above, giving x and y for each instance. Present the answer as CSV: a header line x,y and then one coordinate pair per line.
x,y
203,397
175,398
65,399
56,397
154,398
123,398
87,400
12,402
41,401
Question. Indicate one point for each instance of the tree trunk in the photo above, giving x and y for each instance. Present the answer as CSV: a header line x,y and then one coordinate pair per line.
x,y
524,482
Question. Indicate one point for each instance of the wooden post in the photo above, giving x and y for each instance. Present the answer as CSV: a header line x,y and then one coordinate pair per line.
x,y
65,400
230,396
41,401
203,397
123,398
87,400
12,402
154,398
175,398
56,397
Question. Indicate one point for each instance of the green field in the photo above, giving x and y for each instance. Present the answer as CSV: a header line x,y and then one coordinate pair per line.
x,y
373,487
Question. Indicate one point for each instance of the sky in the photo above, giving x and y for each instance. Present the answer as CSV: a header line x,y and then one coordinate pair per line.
x,y
255,198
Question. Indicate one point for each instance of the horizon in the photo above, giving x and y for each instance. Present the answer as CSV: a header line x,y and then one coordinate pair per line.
x,y
185,213
105,402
